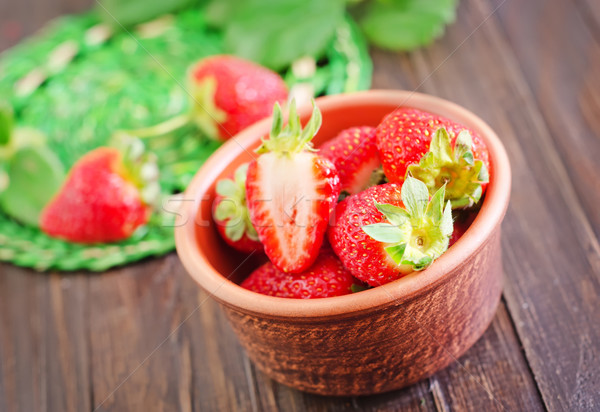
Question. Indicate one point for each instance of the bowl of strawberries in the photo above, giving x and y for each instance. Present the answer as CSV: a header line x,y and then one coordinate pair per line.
x,y
354,245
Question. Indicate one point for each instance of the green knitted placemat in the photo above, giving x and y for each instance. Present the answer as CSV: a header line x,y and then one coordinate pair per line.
x,y
126,81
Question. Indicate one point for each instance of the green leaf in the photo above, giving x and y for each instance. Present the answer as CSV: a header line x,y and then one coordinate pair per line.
x,y
415,196
217,12
235,229
396,252
384,232
462,147
240,175
226,209
435,207
35,175
394,214
407,24
440,146
274,33
483,175
226,188
127,13
277,124
417,263
447,224
6,123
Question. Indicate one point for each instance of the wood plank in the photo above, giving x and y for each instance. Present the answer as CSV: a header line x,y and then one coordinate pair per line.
x,y
551,253
137,364
560,60
43,347
590,12
492,376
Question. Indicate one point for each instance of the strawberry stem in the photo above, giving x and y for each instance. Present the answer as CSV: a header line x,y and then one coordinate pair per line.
x,y
168,126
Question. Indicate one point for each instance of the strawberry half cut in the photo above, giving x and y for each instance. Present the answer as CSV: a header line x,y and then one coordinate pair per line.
x,y
291,192
454,167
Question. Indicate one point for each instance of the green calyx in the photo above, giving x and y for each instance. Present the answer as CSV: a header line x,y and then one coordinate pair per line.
x,y
140,166
419,234
6,123
455,168
30,173
232,208
291,138
204,112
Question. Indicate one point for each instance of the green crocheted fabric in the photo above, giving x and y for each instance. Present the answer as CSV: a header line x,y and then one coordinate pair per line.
x,y
128,81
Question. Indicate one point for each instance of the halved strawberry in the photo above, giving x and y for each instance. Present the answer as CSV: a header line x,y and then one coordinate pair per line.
x,y
291,192
354,153
231,213
386,232
436,151
105,198
325,278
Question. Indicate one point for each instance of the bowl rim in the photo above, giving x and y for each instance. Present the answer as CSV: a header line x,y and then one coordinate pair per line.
x,y
234,296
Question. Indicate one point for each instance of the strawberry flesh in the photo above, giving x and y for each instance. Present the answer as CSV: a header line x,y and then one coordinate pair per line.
x,y
290,198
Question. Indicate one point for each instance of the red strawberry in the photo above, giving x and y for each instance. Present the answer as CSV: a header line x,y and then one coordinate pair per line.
x,y
102,199
354,153
385,232
436,151
232,93
231,214
325,278
291,192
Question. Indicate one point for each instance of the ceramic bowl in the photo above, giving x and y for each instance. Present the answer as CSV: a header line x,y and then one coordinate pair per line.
x,y
369,342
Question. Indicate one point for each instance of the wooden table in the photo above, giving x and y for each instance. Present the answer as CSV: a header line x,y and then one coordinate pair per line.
x,y
144,337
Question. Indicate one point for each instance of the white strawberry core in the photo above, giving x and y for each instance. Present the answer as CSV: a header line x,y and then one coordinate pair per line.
x,y
291,197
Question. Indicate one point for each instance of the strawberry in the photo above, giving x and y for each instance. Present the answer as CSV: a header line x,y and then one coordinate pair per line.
x,y
388,231
436,151
231,93
105,197
325,278
231,214
291,192
354,153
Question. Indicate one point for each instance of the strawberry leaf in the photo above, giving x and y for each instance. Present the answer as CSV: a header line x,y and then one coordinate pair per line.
x,y
415,196
407,24
274,33
235,229
396,215
6,123
34,176
435,208
291,139
454,168
396,252
384,232
226,188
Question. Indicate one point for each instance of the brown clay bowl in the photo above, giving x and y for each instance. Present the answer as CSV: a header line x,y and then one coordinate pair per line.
x,y
369,342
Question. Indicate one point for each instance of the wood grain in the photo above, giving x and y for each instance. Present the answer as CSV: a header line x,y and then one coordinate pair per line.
x,y
68,341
